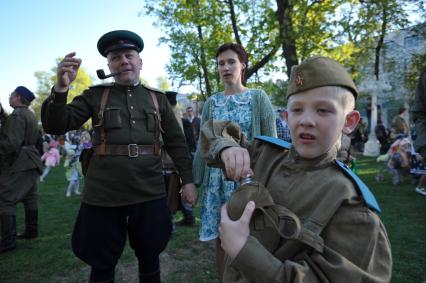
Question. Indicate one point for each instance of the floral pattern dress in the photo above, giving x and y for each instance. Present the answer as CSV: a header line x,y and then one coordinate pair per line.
x,y
236,108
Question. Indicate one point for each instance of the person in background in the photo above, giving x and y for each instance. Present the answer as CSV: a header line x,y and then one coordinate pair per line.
x,y
194,121
382,136
72,172
51,158
3,116
315,221
418,112
124,195
249,108
171,172
400,128
283,132
19,169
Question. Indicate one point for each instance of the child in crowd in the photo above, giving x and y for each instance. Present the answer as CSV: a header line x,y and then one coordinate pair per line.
x,y
336,233
399,161
72,172
51,158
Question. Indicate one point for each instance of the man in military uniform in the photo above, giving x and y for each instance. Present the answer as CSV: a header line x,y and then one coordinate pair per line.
x,y
20,168
3,116
124,191
323,225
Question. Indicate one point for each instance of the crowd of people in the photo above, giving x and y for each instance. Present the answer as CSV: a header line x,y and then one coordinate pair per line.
x,y
140,149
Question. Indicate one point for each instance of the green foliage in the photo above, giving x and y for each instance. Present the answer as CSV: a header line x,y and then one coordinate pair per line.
x,y
163,84
346,30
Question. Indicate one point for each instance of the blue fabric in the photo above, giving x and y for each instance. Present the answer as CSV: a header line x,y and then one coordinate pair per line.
x,y
275,141
238,109
368,196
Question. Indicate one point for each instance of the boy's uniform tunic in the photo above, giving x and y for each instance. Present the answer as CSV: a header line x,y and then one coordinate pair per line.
x,y
355,244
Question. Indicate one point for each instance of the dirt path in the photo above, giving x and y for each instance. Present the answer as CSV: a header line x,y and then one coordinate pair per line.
x,y
193,263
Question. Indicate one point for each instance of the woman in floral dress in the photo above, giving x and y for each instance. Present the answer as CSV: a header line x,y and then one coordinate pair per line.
x,y
252,110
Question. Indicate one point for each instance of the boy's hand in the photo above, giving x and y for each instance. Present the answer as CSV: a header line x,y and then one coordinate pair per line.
x,y
234,234
237,162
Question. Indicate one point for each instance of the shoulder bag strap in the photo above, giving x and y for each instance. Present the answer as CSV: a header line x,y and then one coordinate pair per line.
x,y
157,110
104,100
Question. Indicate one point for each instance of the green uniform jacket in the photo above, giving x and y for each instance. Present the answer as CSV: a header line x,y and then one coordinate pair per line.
x,y
356,247
418,111
129,118
19,135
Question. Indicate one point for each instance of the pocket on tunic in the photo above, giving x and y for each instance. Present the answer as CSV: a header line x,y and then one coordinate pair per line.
x,y
151,121
112,118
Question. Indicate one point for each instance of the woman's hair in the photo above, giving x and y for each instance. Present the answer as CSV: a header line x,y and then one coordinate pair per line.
x,y
241,53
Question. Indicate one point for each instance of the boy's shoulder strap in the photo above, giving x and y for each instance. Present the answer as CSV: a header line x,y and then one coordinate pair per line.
x,y
367,195
275,141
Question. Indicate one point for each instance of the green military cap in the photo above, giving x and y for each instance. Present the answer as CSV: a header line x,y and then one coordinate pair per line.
x,y
319,71
119,39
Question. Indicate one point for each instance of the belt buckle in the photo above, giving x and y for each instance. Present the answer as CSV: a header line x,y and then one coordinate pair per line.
x,y
133,150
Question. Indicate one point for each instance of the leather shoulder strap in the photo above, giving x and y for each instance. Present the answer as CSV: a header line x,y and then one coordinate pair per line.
x,y
104,100
157,109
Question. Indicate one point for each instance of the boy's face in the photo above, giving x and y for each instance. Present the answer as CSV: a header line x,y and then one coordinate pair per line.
x,y
316,119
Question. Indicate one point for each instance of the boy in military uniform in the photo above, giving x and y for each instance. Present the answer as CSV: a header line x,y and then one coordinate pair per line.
x,y
124,192
337,235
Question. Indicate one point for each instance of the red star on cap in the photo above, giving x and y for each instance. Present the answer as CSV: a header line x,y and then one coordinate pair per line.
x,y
299,80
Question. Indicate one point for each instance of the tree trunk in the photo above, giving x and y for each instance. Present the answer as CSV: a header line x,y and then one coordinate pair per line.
x,y
204,61
380,41
234,21
288,42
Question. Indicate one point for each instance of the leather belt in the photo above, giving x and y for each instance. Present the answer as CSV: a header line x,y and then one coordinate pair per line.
x,y
130,150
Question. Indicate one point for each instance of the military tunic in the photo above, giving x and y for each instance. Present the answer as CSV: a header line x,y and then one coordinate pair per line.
x,y
129,118
20,160
355,247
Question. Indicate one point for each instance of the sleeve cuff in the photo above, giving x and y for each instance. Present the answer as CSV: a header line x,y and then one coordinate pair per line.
x,y
256,263
59,97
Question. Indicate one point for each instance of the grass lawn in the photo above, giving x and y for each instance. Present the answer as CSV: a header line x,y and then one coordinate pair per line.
x,y
49,258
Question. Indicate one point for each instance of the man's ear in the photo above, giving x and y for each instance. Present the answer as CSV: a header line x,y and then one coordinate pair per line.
x,y
351,121
286,115
141,64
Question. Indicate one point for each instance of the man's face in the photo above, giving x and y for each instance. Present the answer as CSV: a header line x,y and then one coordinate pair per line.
x,y
189,111
316,119
14,99
128,62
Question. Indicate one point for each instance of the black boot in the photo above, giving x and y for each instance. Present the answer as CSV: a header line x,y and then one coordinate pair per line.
x,y
153,277
188,218
31,225
8,233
